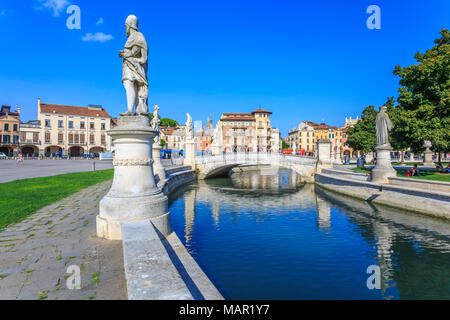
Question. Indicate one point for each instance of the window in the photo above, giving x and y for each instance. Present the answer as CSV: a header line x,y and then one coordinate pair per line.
x,y
15,127
6,127
70,138
91,138
35,137
102,126
60,138
77,138
60,123
70,124
6,139
16,139
82,138
81,124
47,122
91,125
260,123
47,137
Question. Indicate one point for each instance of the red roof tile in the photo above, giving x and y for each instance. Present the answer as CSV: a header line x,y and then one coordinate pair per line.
x,y
262,111
73,110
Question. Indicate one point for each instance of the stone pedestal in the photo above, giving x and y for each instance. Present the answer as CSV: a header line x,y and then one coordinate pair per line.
x,y
383,169
428,158
133,195
338,157
189,153
369,157
215,149
323,154
158,168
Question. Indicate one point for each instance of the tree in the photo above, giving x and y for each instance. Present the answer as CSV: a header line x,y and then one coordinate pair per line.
x,y
424,98
162,142
167,122
362,136
284,145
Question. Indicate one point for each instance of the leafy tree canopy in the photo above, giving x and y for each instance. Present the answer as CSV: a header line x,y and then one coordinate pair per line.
x,y
362,135
424,97
165,122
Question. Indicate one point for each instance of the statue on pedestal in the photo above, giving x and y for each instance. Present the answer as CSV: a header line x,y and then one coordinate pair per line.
x,y
383,169
189,128
383,125
134,69
155,124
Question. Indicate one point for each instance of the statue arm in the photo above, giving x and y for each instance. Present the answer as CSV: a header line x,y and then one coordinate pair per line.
x,y
130,53
389,124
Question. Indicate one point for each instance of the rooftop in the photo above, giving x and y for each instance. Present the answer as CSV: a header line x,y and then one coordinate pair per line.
x,y
90,111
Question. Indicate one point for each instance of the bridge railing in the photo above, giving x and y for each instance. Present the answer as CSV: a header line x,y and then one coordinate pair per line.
x,y
256,157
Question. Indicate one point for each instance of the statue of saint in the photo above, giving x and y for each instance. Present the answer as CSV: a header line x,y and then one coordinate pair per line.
x,y
155,121
155,124
189,127
383,125
134,69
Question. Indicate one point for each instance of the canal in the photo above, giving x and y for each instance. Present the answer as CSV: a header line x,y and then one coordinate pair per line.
x,y
260,235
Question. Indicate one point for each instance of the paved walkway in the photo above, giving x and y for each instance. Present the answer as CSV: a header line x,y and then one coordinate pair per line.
x,y
10,170
35,253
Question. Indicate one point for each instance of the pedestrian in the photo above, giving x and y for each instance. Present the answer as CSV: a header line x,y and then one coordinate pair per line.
x,y
20,159
414,171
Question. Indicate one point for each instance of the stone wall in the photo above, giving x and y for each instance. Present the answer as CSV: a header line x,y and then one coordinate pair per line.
x,y
435,203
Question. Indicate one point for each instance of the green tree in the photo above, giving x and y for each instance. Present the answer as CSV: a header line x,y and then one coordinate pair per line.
x,y
167,122
284,145
162,142
424,98
362,136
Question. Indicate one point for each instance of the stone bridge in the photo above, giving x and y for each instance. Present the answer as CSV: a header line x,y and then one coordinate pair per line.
x,y
215,165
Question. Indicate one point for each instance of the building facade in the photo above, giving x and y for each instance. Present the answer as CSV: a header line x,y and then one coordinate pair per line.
x,y
174,137
305,136
249,132
9,131
69,130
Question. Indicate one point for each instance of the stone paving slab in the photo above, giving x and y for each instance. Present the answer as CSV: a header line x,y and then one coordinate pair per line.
x,y
35,253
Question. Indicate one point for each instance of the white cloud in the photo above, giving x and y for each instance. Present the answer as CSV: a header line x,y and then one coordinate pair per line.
x,y
56,5
100,21
99,36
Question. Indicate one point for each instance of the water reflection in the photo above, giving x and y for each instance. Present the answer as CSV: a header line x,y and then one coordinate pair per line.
x,y
260,236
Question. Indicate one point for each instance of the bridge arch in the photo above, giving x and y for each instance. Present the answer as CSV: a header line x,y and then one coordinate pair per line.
x,y
212,166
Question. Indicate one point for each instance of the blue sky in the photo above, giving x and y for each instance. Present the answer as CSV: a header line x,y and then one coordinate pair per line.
x,y
303,60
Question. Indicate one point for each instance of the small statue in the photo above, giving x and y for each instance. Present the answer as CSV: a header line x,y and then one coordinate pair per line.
x,y
383,125
155,121
189,127
134,68
155,125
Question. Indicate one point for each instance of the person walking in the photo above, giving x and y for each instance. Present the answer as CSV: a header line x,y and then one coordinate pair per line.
x,y
20,159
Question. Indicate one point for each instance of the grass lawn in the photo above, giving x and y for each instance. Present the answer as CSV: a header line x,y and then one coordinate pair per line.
x,y
410,164
22,198
423,174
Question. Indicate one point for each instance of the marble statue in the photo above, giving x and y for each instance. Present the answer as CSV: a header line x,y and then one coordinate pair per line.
x,y
134,69
189,127
383,125
155,124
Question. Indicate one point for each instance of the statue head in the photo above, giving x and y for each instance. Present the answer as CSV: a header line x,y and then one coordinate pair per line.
x,y
383,108
131,23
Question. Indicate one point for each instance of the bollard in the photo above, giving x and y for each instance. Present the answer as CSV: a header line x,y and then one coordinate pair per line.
x,y
93,165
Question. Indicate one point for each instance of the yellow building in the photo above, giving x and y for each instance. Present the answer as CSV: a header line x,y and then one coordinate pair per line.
x,y
302,138
9,131
72,130
249,132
